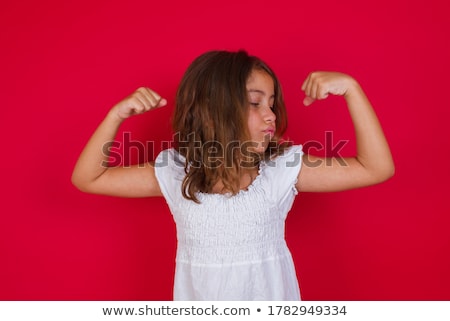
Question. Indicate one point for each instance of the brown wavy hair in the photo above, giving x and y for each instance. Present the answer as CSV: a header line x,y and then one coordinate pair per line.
x,y
210,121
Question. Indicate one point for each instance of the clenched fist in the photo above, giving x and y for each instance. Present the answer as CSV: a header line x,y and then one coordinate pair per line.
x,y
319,84
141,101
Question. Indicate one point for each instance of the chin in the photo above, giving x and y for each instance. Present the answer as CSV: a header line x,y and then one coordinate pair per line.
x,y
255,147
259,149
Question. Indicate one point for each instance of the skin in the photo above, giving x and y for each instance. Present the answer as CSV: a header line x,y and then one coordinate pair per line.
x,y
372,163
261,119
135,181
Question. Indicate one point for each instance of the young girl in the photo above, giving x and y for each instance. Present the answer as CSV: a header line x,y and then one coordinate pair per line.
x,y
230,180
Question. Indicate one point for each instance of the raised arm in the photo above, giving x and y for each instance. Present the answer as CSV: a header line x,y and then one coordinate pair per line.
x,y
91,173
373,162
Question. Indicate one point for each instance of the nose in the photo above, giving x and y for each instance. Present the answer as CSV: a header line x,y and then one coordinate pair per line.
x,y
269,115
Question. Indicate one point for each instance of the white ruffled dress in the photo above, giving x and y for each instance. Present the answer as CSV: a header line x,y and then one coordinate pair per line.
x,y
233,247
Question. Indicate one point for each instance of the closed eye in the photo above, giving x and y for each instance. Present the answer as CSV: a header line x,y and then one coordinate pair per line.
x,y
258,104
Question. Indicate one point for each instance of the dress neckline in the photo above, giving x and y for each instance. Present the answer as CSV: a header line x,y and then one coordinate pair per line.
x,y
250,187
255,183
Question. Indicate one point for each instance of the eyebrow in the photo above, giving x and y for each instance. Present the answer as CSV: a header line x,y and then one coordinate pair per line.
x,y
259,92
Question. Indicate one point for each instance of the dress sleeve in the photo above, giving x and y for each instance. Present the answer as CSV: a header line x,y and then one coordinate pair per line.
x,y
169,171
282,173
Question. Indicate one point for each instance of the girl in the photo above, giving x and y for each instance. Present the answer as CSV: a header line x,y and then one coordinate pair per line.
x,y
230,180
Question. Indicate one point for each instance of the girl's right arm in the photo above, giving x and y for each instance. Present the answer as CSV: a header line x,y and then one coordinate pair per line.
x,y
91,173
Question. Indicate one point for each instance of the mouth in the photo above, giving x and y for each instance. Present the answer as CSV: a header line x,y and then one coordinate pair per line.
x,y
269,131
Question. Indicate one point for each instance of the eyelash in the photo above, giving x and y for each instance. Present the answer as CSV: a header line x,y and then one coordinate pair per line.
x,y
257,104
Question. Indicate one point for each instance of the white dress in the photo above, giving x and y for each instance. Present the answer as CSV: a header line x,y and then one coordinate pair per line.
x,y
233,247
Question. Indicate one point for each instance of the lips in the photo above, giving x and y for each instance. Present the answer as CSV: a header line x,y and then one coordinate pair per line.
x,y
269,131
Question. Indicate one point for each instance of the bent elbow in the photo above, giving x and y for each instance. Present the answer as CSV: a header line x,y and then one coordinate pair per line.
x,y
391,171
385,173
79,184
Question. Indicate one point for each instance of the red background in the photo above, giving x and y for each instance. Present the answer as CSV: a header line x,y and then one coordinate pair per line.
x,y
65,63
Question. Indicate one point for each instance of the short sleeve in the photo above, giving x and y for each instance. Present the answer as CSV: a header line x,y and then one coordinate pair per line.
x,y
169,171
282,173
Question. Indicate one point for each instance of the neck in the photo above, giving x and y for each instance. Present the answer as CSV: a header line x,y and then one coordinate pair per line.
x,y
246,178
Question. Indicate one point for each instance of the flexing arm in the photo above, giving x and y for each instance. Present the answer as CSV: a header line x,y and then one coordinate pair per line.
x,y
92,175
373,162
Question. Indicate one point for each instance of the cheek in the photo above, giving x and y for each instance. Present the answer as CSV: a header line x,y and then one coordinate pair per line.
x,y
252,117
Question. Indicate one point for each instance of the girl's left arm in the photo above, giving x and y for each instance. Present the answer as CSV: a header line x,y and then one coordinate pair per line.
x,y
372,163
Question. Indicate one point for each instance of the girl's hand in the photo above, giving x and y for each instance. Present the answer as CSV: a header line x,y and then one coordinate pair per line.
x,y
319,84
141,101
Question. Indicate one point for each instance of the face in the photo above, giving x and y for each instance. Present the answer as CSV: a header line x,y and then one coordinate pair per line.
x,y
261,119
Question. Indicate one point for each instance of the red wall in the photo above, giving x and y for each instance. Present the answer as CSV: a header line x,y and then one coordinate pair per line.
x,y
65,63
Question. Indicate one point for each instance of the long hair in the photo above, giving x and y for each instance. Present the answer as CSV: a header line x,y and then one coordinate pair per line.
x,y
210,120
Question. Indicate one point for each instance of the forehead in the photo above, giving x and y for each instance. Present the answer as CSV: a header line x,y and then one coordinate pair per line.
x,y
259,80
